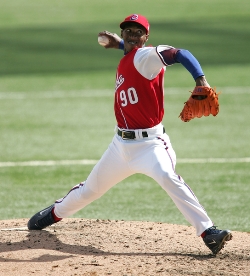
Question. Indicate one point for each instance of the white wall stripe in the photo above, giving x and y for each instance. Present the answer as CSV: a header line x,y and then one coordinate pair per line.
x,y
36,163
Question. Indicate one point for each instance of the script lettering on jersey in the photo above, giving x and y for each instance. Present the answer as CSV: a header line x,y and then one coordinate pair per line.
x,y
119,81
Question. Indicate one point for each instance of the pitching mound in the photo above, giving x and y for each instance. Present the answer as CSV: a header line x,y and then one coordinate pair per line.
x,y
98,247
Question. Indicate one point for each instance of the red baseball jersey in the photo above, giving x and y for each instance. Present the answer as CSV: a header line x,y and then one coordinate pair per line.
x,y
139,95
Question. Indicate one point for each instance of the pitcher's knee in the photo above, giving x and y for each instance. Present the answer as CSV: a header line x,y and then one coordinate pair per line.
x,y
170,179
88,194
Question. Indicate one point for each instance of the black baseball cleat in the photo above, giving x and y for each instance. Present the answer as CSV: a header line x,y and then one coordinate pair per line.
x,y
215,239
41,219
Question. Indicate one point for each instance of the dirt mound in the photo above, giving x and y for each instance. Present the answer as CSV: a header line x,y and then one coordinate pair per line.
x,y
103,247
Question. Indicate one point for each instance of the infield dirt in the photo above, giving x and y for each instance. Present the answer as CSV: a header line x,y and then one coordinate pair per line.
x,y
104,247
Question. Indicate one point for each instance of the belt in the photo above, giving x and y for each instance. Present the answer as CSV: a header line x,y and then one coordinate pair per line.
x,y
130,134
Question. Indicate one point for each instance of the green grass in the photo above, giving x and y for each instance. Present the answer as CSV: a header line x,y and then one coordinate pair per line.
x,y
68,125
56,103
47,40
26,190
59,125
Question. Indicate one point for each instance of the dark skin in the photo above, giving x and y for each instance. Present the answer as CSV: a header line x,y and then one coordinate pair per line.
x,y
135,36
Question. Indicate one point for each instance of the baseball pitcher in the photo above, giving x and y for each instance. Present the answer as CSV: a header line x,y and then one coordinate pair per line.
x,y
141,143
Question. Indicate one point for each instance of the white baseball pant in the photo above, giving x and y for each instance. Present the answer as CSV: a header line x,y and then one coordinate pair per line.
x,y
152,156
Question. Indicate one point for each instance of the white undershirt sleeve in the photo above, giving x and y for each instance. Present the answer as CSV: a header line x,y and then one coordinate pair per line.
x,y
147,61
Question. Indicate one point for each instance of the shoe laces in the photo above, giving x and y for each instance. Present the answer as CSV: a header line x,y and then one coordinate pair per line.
x,y
212,230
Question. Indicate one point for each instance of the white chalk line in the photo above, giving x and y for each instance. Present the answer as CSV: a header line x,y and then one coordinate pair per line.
x,y
214,160
15,229
36,163
92,93
56,94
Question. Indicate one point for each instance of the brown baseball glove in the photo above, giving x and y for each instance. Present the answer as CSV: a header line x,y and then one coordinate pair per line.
x,y
202,102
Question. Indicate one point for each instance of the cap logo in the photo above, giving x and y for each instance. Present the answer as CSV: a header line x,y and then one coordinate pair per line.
x,y
134,17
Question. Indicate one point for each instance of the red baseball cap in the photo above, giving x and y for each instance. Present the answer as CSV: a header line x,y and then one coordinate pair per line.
x,y
137,18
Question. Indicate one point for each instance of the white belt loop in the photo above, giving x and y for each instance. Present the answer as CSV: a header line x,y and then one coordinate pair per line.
x,y
137,134
140,133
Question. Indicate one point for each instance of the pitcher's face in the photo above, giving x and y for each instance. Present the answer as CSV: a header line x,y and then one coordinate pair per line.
x,y
134,36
